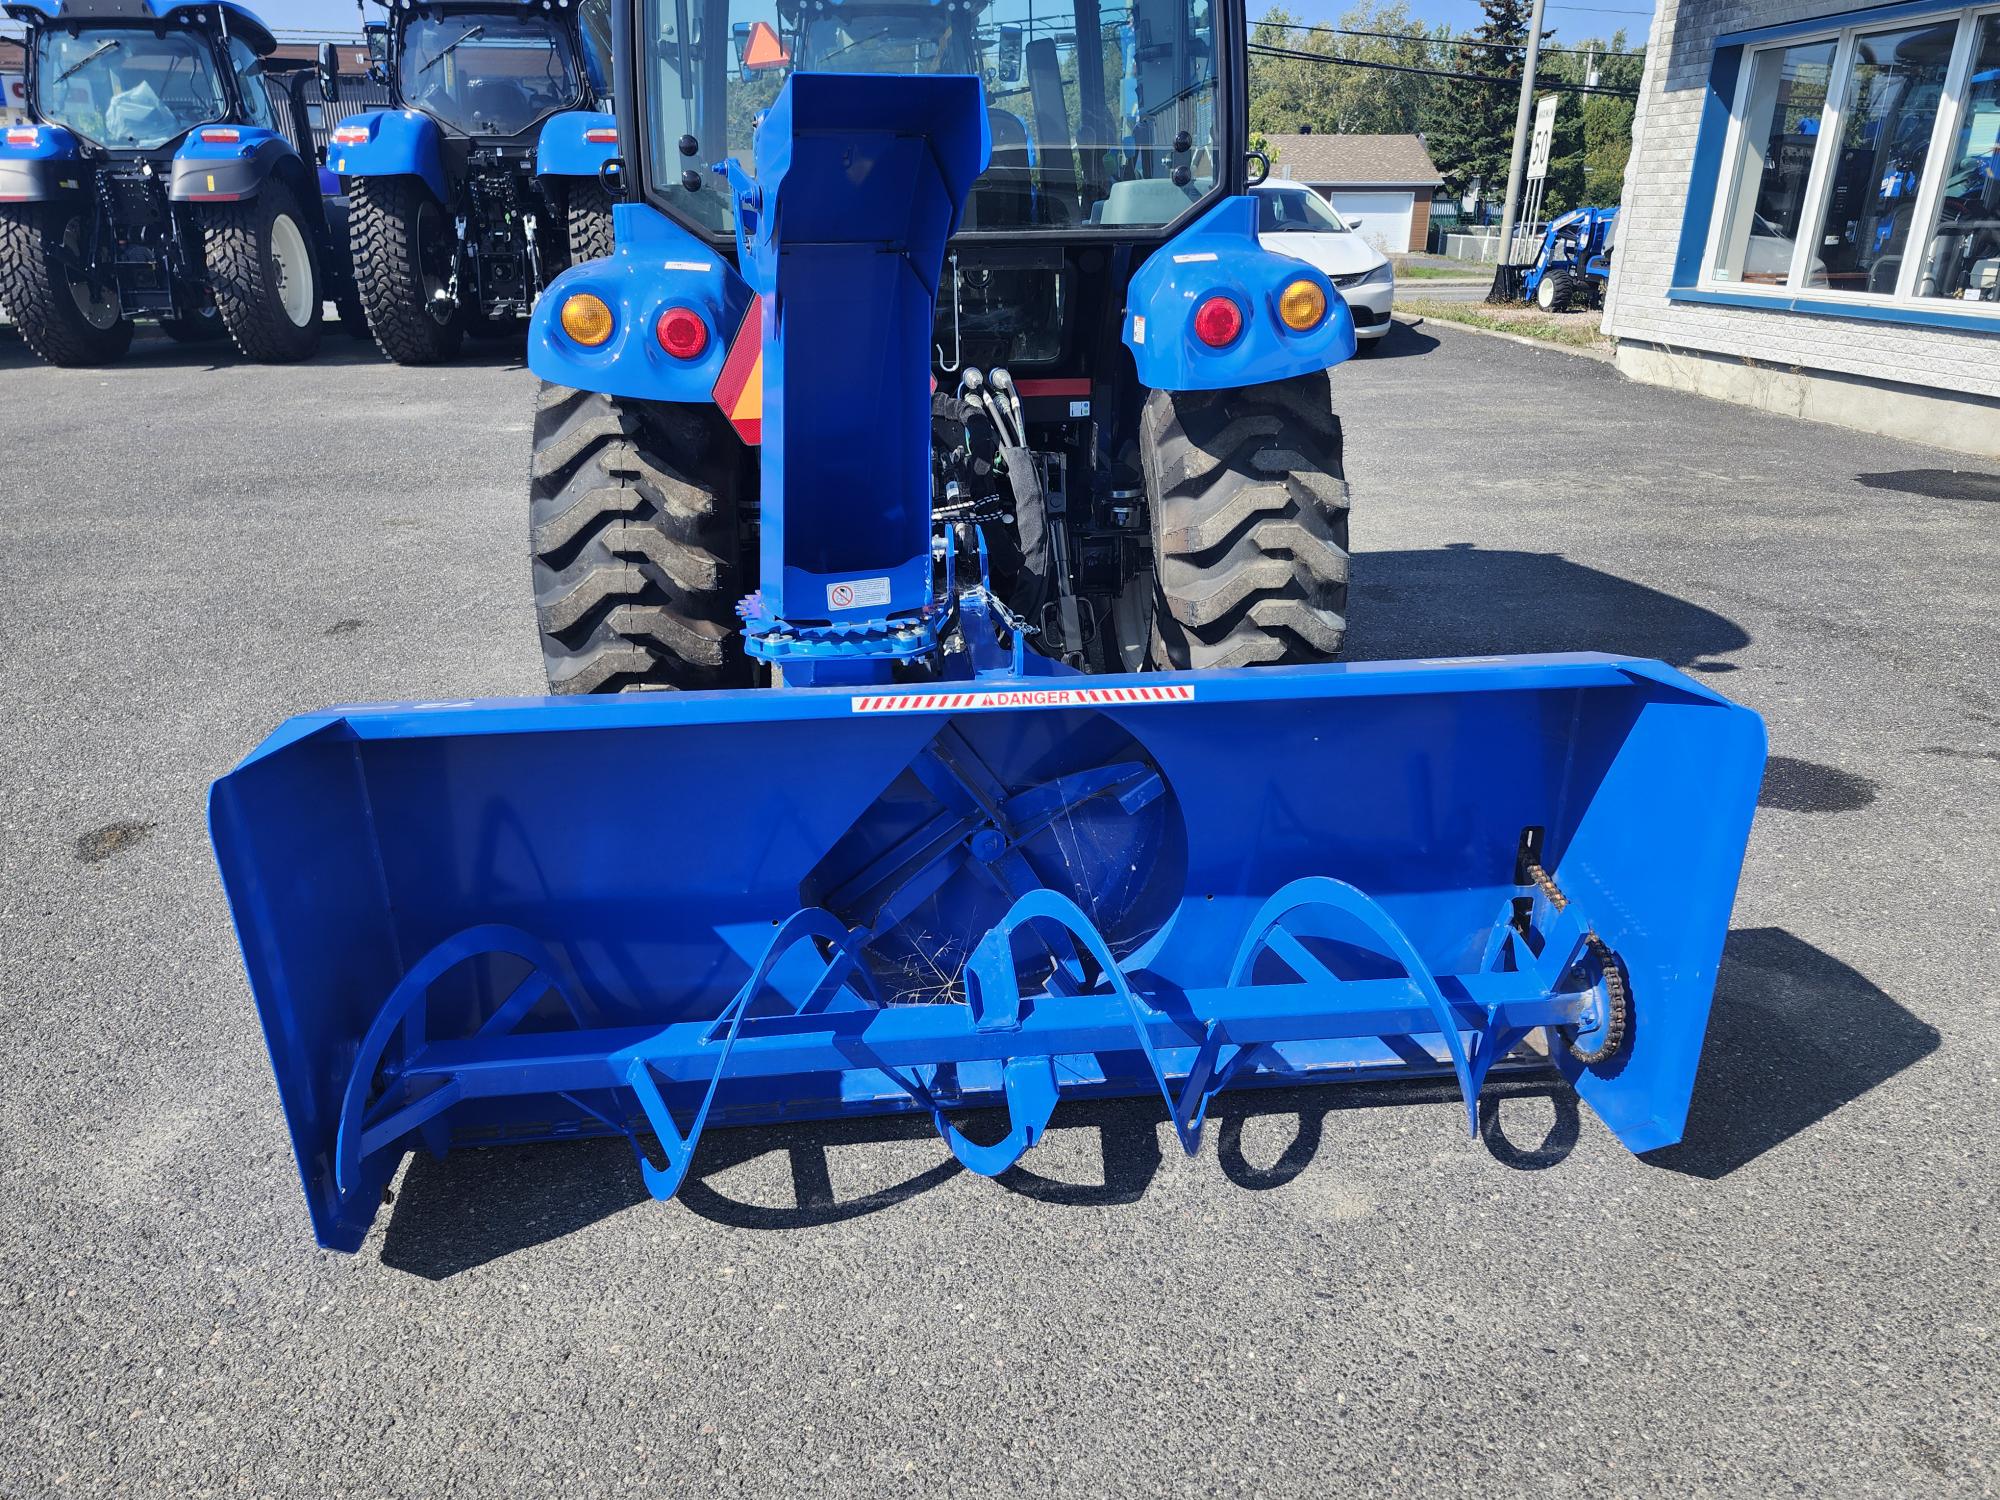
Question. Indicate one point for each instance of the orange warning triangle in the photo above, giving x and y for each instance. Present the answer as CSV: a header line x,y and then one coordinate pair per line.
x,y
739,389
764,49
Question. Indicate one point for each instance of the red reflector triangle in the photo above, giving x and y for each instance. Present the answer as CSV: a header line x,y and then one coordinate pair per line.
x,y
739,389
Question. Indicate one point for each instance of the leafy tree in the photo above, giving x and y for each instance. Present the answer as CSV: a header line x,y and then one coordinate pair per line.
x,y
1471,120
1292,94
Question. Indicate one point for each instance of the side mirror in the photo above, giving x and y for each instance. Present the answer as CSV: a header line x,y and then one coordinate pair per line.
x,y
1352,223
1010,54
377,33
329,72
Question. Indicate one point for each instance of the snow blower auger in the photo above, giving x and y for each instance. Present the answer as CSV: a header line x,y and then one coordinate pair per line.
x,y
941,869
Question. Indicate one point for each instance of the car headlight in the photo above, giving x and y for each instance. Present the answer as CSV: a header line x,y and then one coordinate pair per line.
x,y
1382,275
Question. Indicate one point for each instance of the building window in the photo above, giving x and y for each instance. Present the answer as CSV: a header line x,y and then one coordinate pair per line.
x,y
1962,254
1864,164
1782,105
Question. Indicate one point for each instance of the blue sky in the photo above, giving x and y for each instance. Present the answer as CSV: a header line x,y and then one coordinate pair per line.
x,y
1571,22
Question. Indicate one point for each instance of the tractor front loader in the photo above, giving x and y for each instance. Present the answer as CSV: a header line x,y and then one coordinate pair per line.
x,y
981,829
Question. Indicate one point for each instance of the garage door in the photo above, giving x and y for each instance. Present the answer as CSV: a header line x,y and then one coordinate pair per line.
x,y
1385,217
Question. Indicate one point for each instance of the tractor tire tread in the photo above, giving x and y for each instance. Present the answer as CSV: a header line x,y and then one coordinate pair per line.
x,y
38,300
1249,507
236,240
636,543
388,272
589,213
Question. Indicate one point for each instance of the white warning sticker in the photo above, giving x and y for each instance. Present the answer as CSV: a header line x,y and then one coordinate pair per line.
x,y
976,698
858,593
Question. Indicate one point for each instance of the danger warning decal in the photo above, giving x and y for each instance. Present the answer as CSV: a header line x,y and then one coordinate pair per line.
x,y
1080,697
739,389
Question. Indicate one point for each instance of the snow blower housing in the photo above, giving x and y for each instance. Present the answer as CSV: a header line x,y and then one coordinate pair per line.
x,y
940,867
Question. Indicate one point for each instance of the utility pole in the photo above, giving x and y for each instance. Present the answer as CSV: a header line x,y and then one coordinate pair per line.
x,y
1506,280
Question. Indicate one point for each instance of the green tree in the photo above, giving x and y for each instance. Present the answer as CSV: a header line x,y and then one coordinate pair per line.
x,y
1471,120
1320,90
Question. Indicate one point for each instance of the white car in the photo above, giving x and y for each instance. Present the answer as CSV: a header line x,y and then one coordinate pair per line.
x,y
1296,221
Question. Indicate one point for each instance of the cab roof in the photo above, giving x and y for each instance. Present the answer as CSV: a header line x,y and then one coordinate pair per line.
x,y
242,23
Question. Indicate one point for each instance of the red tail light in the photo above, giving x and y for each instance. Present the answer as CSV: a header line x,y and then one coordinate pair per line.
x,y
1217,322
601,137
222,137
682,333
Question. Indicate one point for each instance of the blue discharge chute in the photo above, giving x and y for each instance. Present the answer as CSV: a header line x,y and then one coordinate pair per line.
x,y
485,923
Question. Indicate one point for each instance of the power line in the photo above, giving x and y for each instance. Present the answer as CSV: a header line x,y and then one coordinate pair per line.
x,y
1451,41
1557,85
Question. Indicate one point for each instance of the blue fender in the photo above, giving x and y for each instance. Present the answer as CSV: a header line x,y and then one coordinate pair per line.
x,y
39,161
566,147
226,163
1219,254
397,143
656,265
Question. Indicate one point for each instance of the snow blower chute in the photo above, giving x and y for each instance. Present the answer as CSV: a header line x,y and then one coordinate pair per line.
x,y
938,869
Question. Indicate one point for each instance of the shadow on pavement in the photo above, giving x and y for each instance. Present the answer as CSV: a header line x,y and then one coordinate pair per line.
x,y
335,348
1401,342
1794,1034
475,1206
1464,600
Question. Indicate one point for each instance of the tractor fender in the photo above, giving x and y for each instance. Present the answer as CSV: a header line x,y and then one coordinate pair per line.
x,y
565,147
38,162
391,143
226,171
657,265
1218,255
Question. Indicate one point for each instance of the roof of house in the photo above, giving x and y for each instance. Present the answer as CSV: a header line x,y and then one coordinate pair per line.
x,y
1345,160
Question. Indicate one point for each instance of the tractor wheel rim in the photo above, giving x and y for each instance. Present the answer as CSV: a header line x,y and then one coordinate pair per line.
x,y
1545,296
98,306
293,263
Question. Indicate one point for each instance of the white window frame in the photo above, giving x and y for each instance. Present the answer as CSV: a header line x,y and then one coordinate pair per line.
x,y
1944,130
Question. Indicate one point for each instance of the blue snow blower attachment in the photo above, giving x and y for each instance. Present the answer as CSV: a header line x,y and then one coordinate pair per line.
x,y
937,872
1000,893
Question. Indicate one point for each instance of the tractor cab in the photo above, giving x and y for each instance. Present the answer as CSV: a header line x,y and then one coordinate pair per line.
x,y
153,123
488,74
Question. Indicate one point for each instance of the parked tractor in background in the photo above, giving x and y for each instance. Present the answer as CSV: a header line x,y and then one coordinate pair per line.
x,y
1573,265
483,179
162,177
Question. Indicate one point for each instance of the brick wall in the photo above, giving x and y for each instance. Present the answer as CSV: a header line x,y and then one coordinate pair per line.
x,y
1657,185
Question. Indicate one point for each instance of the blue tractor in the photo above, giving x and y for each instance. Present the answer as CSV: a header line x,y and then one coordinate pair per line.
x,y
963,410
1162,489
1573,265
482,180
162,177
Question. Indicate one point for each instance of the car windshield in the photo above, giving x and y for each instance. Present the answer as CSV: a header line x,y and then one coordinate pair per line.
x,y
1120,129
126,88
1295,211
488,73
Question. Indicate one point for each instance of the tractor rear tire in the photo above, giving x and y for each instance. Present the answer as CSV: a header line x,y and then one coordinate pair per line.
x,y
58,315
590,235
1249,513
264,271
637,543
1556,292
403,251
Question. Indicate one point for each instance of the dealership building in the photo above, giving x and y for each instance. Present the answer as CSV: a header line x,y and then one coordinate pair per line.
x,y
1811,218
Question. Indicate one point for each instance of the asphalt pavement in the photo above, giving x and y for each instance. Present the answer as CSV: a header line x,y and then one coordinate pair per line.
x,y
1341,1294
